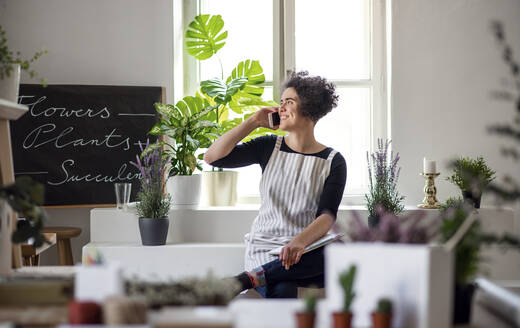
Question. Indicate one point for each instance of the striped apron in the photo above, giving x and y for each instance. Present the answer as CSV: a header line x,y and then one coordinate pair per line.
x,y
290,190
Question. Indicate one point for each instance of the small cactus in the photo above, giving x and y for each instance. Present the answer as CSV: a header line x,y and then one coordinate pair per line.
x,y
346,279
384,305
310,303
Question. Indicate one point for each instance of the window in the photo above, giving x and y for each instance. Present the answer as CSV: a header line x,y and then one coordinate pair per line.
x,y
340,40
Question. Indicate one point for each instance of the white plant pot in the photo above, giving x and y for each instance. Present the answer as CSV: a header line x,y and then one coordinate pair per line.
x,y
184,189
9,85
417,278
220,188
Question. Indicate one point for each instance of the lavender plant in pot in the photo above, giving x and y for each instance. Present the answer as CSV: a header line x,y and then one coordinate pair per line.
x,y
153,204
383,175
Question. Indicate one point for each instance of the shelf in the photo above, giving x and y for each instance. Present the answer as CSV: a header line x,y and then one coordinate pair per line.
x,y
10,110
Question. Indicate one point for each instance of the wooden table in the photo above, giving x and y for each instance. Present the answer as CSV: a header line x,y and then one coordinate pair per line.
x,y
31,255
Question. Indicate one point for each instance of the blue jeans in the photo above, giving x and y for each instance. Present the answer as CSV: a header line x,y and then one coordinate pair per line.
x,y
281,283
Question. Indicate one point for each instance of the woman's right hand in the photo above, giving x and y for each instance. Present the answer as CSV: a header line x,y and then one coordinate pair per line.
x,y
261,118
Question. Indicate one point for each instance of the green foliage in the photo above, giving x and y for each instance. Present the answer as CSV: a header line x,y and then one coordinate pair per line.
x,y
241,92
471,175
384,305
204,37
187,129
346,280
8,59
26,196
310,303
467,252
209,290
152,203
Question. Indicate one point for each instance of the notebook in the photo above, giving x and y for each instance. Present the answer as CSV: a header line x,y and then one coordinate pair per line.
x,y
327,239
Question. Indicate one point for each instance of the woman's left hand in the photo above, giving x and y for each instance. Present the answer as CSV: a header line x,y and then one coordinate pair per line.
x,y
291,253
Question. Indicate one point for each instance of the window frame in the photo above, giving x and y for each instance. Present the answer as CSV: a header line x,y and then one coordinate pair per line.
x,y
284,61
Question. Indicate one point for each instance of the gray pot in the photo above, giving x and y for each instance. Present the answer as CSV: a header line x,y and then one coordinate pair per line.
x,y
153,231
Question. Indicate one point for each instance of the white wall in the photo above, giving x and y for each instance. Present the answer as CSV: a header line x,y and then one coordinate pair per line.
x,y
444,60
445,63
104,42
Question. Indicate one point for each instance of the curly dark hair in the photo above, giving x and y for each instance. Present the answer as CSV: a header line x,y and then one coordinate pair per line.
x,y
317,96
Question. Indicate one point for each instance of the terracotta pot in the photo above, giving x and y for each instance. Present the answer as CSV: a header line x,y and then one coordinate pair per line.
x,y
305,319
81,313
341,319
381,320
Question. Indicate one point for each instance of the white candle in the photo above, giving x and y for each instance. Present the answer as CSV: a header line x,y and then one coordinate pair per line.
x,y
429,166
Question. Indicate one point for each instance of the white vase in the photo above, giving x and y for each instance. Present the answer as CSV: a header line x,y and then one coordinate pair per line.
x,y
9,85
220,187
184,189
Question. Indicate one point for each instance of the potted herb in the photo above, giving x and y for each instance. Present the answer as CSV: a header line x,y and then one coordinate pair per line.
x,y
10,67
382,316
472,176
186,130
383,174
238,95
153,205
306,318
467,253
343,319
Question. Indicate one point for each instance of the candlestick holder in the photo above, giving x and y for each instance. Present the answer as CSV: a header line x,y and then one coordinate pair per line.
x,y
430,192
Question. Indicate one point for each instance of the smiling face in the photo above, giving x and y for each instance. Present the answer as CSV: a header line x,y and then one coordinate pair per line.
x,y
290,115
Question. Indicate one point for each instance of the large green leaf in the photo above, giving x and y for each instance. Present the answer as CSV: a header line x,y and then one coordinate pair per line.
x,y
253,71
204,37
243,102
221,91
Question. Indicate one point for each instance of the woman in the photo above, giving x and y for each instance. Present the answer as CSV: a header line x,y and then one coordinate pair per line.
x,y
301,187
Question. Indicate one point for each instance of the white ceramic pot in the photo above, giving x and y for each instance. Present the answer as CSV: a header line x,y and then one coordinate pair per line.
x,y
220,188
9,85
184,189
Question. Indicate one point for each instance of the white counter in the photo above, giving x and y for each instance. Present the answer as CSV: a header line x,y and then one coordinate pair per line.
x,y
211,238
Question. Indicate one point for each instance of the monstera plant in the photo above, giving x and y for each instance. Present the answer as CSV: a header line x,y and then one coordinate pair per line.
x,y
235,98
241,92
187,131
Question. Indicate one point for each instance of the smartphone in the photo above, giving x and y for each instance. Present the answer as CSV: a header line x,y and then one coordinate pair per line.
x,y
274,119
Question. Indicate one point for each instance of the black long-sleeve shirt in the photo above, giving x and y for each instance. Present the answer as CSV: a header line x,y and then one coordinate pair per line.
x,y
259,150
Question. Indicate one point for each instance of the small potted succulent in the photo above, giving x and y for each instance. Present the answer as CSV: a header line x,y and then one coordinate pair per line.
x,y
382,316
343,319
306,318
472,176
10,67
383,174
153,205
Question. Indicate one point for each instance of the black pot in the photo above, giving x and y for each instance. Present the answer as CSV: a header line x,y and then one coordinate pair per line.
x,y
474,198
373,221
462,303
153,231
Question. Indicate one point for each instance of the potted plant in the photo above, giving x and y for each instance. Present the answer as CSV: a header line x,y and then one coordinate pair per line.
x,y
467,253
472,176
383,175
186,130
382,316
153,205
343,319
306,318
239,95
10,67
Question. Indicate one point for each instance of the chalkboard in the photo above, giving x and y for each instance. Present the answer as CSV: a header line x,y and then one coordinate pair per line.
x,y
78,140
